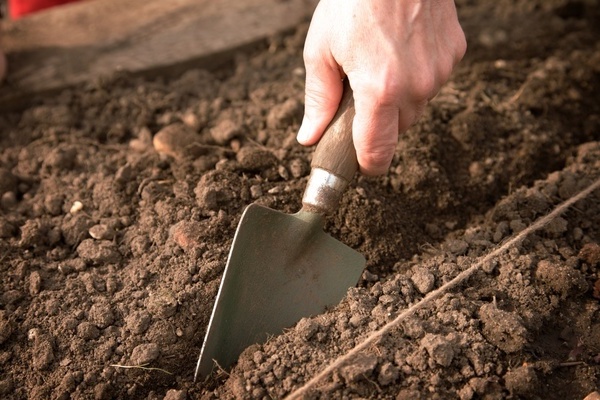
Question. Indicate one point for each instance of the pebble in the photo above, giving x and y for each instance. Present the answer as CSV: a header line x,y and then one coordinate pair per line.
x,y
101,232
145,353
178,141
187,234
423,280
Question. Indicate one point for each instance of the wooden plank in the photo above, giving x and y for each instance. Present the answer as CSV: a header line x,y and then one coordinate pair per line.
x,y
78,42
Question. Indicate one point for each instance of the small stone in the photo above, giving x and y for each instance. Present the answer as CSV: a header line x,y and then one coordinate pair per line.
x,y
423,280
283,172
102,232
76,207
187,234
178,141
145,353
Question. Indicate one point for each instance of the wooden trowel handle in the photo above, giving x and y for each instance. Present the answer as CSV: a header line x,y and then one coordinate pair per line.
x,y
335,152
334,161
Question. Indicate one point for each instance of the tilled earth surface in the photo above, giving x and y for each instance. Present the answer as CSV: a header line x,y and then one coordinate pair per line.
x,y
120,198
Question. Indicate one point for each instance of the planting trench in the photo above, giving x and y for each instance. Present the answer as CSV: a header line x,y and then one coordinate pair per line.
x,y
120,198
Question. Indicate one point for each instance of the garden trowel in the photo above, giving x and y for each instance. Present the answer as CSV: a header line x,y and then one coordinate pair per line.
x,y
283,267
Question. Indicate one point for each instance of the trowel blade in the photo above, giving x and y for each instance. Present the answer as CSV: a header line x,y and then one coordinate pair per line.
x,y
281,268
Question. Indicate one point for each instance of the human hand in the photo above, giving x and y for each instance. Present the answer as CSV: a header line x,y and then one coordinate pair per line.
x,y
396,55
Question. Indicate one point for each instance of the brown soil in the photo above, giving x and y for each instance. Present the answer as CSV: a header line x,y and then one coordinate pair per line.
x,y
119,201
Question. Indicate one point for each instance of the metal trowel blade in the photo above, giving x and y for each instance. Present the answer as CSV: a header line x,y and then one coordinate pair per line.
x,y
281,268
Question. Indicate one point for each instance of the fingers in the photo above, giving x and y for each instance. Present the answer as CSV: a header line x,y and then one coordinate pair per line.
x,y
323,93
375,134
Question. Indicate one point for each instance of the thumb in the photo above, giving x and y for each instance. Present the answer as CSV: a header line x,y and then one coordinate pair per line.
x,y
323,93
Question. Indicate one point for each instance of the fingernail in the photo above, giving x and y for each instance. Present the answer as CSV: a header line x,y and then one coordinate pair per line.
x,y
304,131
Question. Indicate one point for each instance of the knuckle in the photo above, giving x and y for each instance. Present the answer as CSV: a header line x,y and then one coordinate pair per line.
x,y
425,84
377,160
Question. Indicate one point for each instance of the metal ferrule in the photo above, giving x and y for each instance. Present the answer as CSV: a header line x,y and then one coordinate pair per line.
x,y
323,191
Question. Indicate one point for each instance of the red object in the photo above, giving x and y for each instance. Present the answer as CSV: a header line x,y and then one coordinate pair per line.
x,y
20,8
